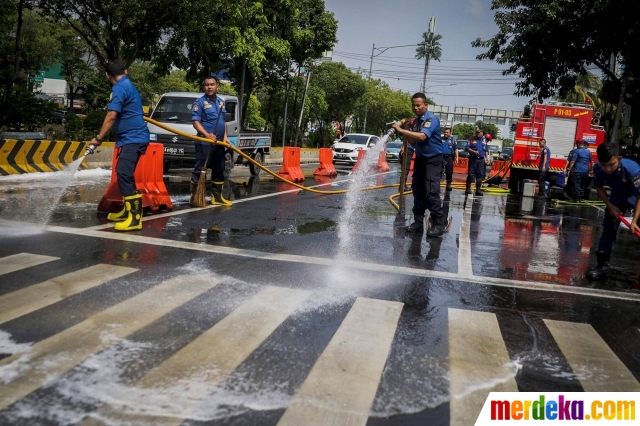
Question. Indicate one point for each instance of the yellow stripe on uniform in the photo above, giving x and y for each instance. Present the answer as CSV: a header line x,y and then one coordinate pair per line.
x,y
343,382
478,363
32,298
591,359
77,343
19,261
214,354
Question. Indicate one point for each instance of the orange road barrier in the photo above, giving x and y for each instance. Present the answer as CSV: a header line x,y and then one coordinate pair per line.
x,y
326,167
382,165
462,167
149,182
361,154
497,167
413,157
291,164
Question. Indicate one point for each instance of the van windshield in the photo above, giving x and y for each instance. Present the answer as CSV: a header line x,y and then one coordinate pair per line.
x,y
172,108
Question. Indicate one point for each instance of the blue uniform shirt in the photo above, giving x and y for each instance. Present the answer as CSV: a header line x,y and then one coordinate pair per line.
x,y
544,151
477,144
582,158
624,182
130,126
207,111
450,146
428,124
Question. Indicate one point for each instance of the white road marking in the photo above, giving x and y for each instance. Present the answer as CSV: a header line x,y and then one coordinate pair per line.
x,y
37,296
213,355
244,200
465,267
591,359
478,364
364,266
48,359
343,382
17,262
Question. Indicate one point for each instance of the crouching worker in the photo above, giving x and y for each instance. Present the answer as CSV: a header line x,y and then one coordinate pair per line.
x,y
207,116
623,177
132,138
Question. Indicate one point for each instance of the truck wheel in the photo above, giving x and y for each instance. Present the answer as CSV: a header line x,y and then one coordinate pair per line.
x,y
166,167
514,182
257,157
228,164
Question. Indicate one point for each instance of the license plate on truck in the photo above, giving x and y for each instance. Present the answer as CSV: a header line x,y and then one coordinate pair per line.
x,y
173,151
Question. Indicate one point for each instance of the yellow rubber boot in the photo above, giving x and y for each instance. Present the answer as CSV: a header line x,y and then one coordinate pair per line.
x,y
133,205
216,195
118,217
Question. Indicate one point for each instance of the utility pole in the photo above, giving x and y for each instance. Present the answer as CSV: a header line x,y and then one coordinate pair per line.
x,y
431,30
304,98
286,104
366,108
616,121
241,97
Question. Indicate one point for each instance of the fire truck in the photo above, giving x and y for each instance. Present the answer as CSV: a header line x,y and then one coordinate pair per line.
x,y
561,124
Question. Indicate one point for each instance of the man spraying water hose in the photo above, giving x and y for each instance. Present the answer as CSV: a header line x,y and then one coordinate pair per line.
x,y
623,177
132,138
427,168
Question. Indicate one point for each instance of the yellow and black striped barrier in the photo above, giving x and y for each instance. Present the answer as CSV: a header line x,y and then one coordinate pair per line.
x,y
32,156
535,166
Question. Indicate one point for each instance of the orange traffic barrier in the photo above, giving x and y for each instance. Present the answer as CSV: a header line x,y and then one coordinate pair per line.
x,y
326,167
382,165
462,167
149,182
497,167
361,154
413,157
291,164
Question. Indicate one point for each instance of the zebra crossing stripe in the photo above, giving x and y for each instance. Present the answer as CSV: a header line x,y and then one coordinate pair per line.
x,y
17,262
48,359
32,298
478,364
343,382
591,359
214,354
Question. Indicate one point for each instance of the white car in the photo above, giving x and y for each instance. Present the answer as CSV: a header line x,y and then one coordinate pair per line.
x,y
347,148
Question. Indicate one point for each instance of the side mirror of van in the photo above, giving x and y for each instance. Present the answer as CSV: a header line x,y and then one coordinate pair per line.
x,y
228,117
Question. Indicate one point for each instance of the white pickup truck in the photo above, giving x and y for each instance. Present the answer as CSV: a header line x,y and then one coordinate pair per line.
x,y
174,110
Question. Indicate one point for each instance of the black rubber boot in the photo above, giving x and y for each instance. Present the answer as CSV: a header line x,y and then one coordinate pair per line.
x,y
216,195
449,188
133,205
417,226
468,190
437,227
600,271
192,193
479,192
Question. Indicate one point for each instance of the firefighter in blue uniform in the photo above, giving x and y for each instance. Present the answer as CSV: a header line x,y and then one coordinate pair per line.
x,y
543,167
207,115
450,154
427,167
580,167
623,177
478,160
132,137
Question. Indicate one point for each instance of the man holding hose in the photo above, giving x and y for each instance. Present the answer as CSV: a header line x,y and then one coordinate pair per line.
x,y
207,115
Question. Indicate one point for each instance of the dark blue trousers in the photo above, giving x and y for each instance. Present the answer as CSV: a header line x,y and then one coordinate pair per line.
x,y
215,163
426,186
579,180
448,167
476,170
126,166
542,177
611,224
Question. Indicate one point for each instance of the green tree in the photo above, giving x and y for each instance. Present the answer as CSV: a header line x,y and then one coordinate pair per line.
x,y
507,142
27,112
587,89
492,129
342,89
77,61
463,130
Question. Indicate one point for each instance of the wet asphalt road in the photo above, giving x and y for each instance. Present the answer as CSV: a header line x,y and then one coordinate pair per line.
x,y
282,310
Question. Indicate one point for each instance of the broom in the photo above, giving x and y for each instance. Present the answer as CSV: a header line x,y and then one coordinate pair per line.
x,y
201,190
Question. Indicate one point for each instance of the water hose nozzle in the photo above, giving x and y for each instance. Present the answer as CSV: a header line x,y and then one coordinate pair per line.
x,y
90,150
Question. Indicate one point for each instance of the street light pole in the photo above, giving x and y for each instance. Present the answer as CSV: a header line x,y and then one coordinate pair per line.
x,y
304,98
366,108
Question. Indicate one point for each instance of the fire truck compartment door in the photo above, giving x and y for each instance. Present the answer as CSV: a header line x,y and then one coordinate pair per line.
x,y
560,134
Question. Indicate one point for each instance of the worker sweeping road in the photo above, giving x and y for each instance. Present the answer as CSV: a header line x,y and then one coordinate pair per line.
x,y
132,138
623,177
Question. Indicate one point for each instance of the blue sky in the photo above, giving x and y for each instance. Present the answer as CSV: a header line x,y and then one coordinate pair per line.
x,y
478,84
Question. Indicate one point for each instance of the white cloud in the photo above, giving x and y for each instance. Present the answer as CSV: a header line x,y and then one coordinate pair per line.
x,y
475,7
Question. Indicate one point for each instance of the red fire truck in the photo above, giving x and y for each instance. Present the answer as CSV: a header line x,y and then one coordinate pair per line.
x,y
561,124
